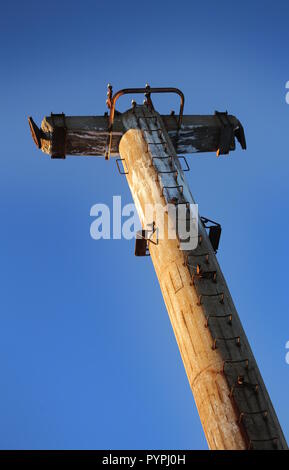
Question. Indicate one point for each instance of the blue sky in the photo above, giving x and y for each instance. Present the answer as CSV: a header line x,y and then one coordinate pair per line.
x,y
87,354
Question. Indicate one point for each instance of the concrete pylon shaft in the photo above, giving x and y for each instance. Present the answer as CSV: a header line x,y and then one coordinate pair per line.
x,y
233,404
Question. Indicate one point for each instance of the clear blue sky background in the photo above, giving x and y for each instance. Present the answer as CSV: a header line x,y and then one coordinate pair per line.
x,y
87,354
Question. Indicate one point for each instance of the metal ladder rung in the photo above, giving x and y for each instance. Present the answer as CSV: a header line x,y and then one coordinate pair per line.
x,y
206,275
166,172
221,294
229,315
153,130
156,143
274,440
236,361
195,255
242,414
242,383
118,167
233,338
176,157
173,187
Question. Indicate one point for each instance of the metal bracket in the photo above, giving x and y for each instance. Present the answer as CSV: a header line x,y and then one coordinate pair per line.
x,y
215,231
228,133
186,162
142,241
118,167
227,140
58,138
